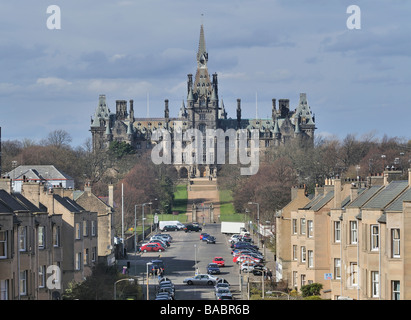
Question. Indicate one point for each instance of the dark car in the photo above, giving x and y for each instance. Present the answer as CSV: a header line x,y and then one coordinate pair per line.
x,y
213,268
240,245
191,227
210,239
205,236
170,228
157,266
259,270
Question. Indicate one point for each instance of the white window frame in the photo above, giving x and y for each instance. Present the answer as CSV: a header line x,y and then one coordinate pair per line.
x,y
310,254
354,274
303,254
337,231
375,237
78,230
56,236
93,228
310,228
395,290
78,261
4,289
85,228
42,276
295,254
353,232
23,283
22,238
295,231
303,226
41,235
375,284
337,268
395,243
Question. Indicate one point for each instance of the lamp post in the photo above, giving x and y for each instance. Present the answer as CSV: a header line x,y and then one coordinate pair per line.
x,y
195,259
115,283
258,220
148,264
143,205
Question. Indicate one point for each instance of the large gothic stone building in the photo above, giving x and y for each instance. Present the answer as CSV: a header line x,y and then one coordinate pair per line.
x,y
202,110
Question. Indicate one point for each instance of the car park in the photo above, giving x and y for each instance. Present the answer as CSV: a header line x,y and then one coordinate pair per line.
x,y
201,279
210,239
152,247
213,268
192,227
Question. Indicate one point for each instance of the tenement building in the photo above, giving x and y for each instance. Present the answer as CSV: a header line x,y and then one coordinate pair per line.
x,y
202,110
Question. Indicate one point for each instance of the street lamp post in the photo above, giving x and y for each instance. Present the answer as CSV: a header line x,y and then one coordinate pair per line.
x,y
115,283
143,205
258,220
148,264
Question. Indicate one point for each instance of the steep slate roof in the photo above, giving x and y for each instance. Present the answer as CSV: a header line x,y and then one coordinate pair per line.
x,y
69,204
365,196
40,172
28,204
11,202
313,201
397,205
386,195
329,195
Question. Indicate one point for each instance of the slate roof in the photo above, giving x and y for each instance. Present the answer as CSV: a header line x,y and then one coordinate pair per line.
x,y
365,196
386,195
11,202
323,201
40,172
397,205
69,204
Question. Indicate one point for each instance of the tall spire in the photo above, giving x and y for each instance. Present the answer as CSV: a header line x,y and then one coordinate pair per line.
x,y
202,56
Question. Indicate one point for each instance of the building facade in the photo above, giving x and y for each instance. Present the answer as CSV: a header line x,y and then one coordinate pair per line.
x,y
202,110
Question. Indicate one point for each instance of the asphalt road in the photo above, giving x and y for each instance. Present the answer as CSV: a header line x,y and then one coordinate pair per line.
x,y
186,253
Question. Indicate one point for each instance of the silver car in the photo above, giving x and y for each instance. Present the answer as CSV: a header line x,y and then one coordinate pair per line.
x,y
222,291
203,279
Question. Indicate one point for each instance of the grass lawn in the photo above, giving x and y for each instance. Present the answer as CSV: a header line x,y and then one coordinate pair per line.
x,y
227,211
180,199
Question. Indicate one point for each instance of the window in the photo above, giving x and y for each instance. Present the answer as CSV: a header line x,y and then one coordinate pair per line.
x,y
4,289
395,290
85,257
354,274
395,243
85,228
353,232
310,259
3,244
22,238
78,230
202,116
303,254
294,226
41,236
374,237
93,228
78,261
295,278
337,231
267,143
56,236
42,276
310,227
302,226
375,284
94,254
302,280
23,283
337,268
294,252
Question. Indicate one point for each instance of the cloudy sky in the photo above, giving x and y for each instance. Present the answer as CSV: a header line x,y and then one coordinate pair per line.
x,y
357,81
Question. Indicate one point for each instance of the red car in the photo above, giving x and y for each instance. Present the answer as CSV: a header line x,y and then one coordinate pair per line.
x,y
152,247
219,261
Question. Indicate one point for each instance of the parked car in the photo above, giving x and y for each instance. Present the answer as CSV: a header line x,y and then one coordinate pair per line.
x,y
169,290
202,279
165,236
219,261
259,270
152,247
170,228
226,297
221,285
210,239
247,266
160,239
163,296
191,227
213,268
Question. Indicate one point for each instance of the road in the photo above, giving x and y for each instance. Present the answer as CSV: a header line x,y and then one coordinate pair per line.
x,y
186,253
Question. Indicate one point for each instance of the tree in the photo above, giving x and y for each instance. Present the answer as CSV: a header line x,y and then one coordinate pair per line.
x,y
58,138
313,289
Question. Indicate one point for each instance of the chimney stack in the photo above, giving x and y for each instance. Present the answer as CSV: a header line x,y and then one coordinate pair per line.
x,y
111,195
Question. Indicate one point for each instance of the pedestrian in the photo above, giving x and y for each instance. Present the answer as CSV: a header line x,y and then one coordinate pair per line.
x,y
269,274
